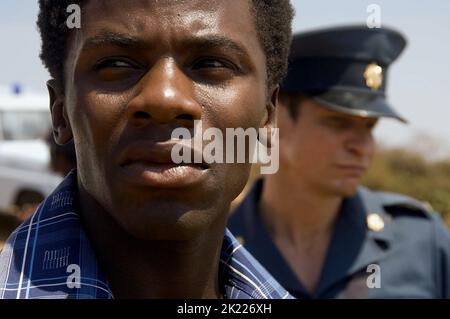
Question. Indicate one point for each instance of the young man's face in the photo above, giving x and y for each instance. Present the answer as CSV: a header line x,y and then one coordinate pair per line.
x,y
136,70
328,151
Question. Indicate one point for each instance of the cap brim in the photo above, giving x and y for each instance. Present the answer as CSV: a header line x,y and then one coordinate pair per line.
x,y
357,103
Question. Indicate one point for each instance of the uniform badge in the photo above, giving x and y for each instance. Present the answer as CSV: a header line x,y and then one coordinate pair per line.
x,y
375,222
373,76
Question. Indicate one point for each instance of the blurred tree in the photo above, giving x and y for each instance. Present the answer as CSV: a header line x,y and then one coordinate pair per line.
x,y
407,172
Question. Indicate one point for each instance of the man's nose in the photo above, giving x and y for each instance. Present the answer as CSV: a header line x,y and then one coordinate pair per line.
x,y
361,143
166,96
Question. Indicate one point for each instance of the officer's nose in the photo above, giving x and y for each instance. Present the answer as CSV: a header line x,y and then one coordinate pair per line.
x,y
165,96
361,143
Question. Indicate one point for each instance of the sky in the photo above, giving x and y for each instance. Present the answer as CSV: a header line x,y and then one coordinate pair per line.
x,y
418,84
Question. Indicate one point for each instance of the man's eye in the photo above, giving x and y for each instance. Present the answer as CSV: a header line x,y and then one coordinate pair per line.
x,y
117,70
113,63
336,123
212,64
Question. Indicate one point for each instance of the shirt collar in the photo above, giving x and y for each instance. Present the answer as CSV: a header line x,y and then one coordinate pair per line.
x,y
50,256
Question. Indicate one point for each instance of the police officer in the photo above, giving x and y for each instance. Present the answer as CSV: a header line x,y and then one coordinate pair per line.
x,y
311,224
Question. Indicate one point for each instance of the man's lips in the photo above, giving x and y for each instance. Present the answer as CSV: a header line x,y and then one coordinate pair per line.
x,y
154,153
152,165
353,168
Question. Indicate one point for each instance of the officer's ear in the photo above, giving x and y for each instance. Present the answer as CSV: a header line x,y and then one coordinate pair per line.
x,y
269,122
62,130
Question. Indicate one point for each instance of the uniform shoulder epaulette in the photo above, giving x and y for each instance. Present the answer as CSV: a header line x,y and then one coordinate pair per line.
x,y
394,200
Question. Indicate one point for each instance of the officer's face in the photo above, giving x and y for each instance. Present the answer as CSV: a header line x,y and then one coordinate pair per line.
x,y
139,69
327,150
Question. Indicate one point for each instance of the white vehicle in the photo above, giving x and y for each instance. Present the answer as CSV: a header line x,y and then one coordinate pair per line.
x,y
25,175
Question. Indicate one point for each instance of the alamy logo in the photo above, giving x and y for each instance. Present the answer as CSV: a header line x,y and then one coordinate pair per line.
x,y
374,18
236,146
74,279
74,19
374,279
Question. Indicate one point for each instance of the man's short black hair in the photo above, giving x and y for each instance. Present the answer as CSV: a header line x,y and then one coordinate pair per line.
x,y
273,20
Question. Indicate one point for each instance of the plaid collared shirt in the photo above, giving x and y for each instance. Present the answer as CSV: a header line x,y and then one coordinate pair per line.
x,y
50,257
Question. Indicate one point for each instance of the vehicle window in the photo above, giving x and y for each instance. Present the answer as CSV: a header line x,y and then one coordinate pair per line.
x,y
23,125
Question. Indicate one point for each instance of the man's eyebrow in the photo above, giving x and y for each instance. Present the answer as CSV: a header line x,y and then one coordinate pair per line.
x,y
209,42
335,116
112,39
212,42
342,118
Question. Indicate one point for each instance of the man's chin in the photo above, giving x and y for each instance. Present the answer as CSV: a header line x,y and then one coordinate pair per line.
x,y
348,192
345,188
163,225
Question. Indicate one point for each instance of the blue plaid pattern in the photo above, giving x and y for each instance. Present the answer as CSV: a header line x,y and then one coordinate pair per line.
x,y
50,257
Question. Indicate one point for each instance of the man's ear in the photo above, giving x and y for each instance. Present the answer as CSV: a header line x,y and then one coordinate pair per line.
x,y
62,130
270,120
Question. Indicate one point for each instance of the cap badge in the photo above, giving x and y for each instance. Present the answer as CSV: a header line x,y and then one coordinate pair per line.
x,y
373,76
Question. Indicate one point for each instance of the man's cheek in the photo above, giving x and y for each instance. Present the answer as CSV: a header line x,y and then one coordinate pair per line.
x,y
244,115
100,116
233,108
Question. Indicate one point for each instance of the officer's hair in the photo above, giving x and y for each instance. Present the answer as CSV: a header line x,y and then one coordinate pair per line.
x,y
272,19
292,101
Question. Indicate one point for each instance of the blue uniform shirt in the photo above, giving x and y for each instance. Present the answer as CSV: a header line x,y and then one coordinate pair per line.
x,y
50,257
407,247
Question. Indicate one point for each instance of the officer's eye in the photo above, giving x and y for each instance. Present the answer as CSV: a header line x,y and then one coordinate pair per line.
x,y
372,125
336,123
